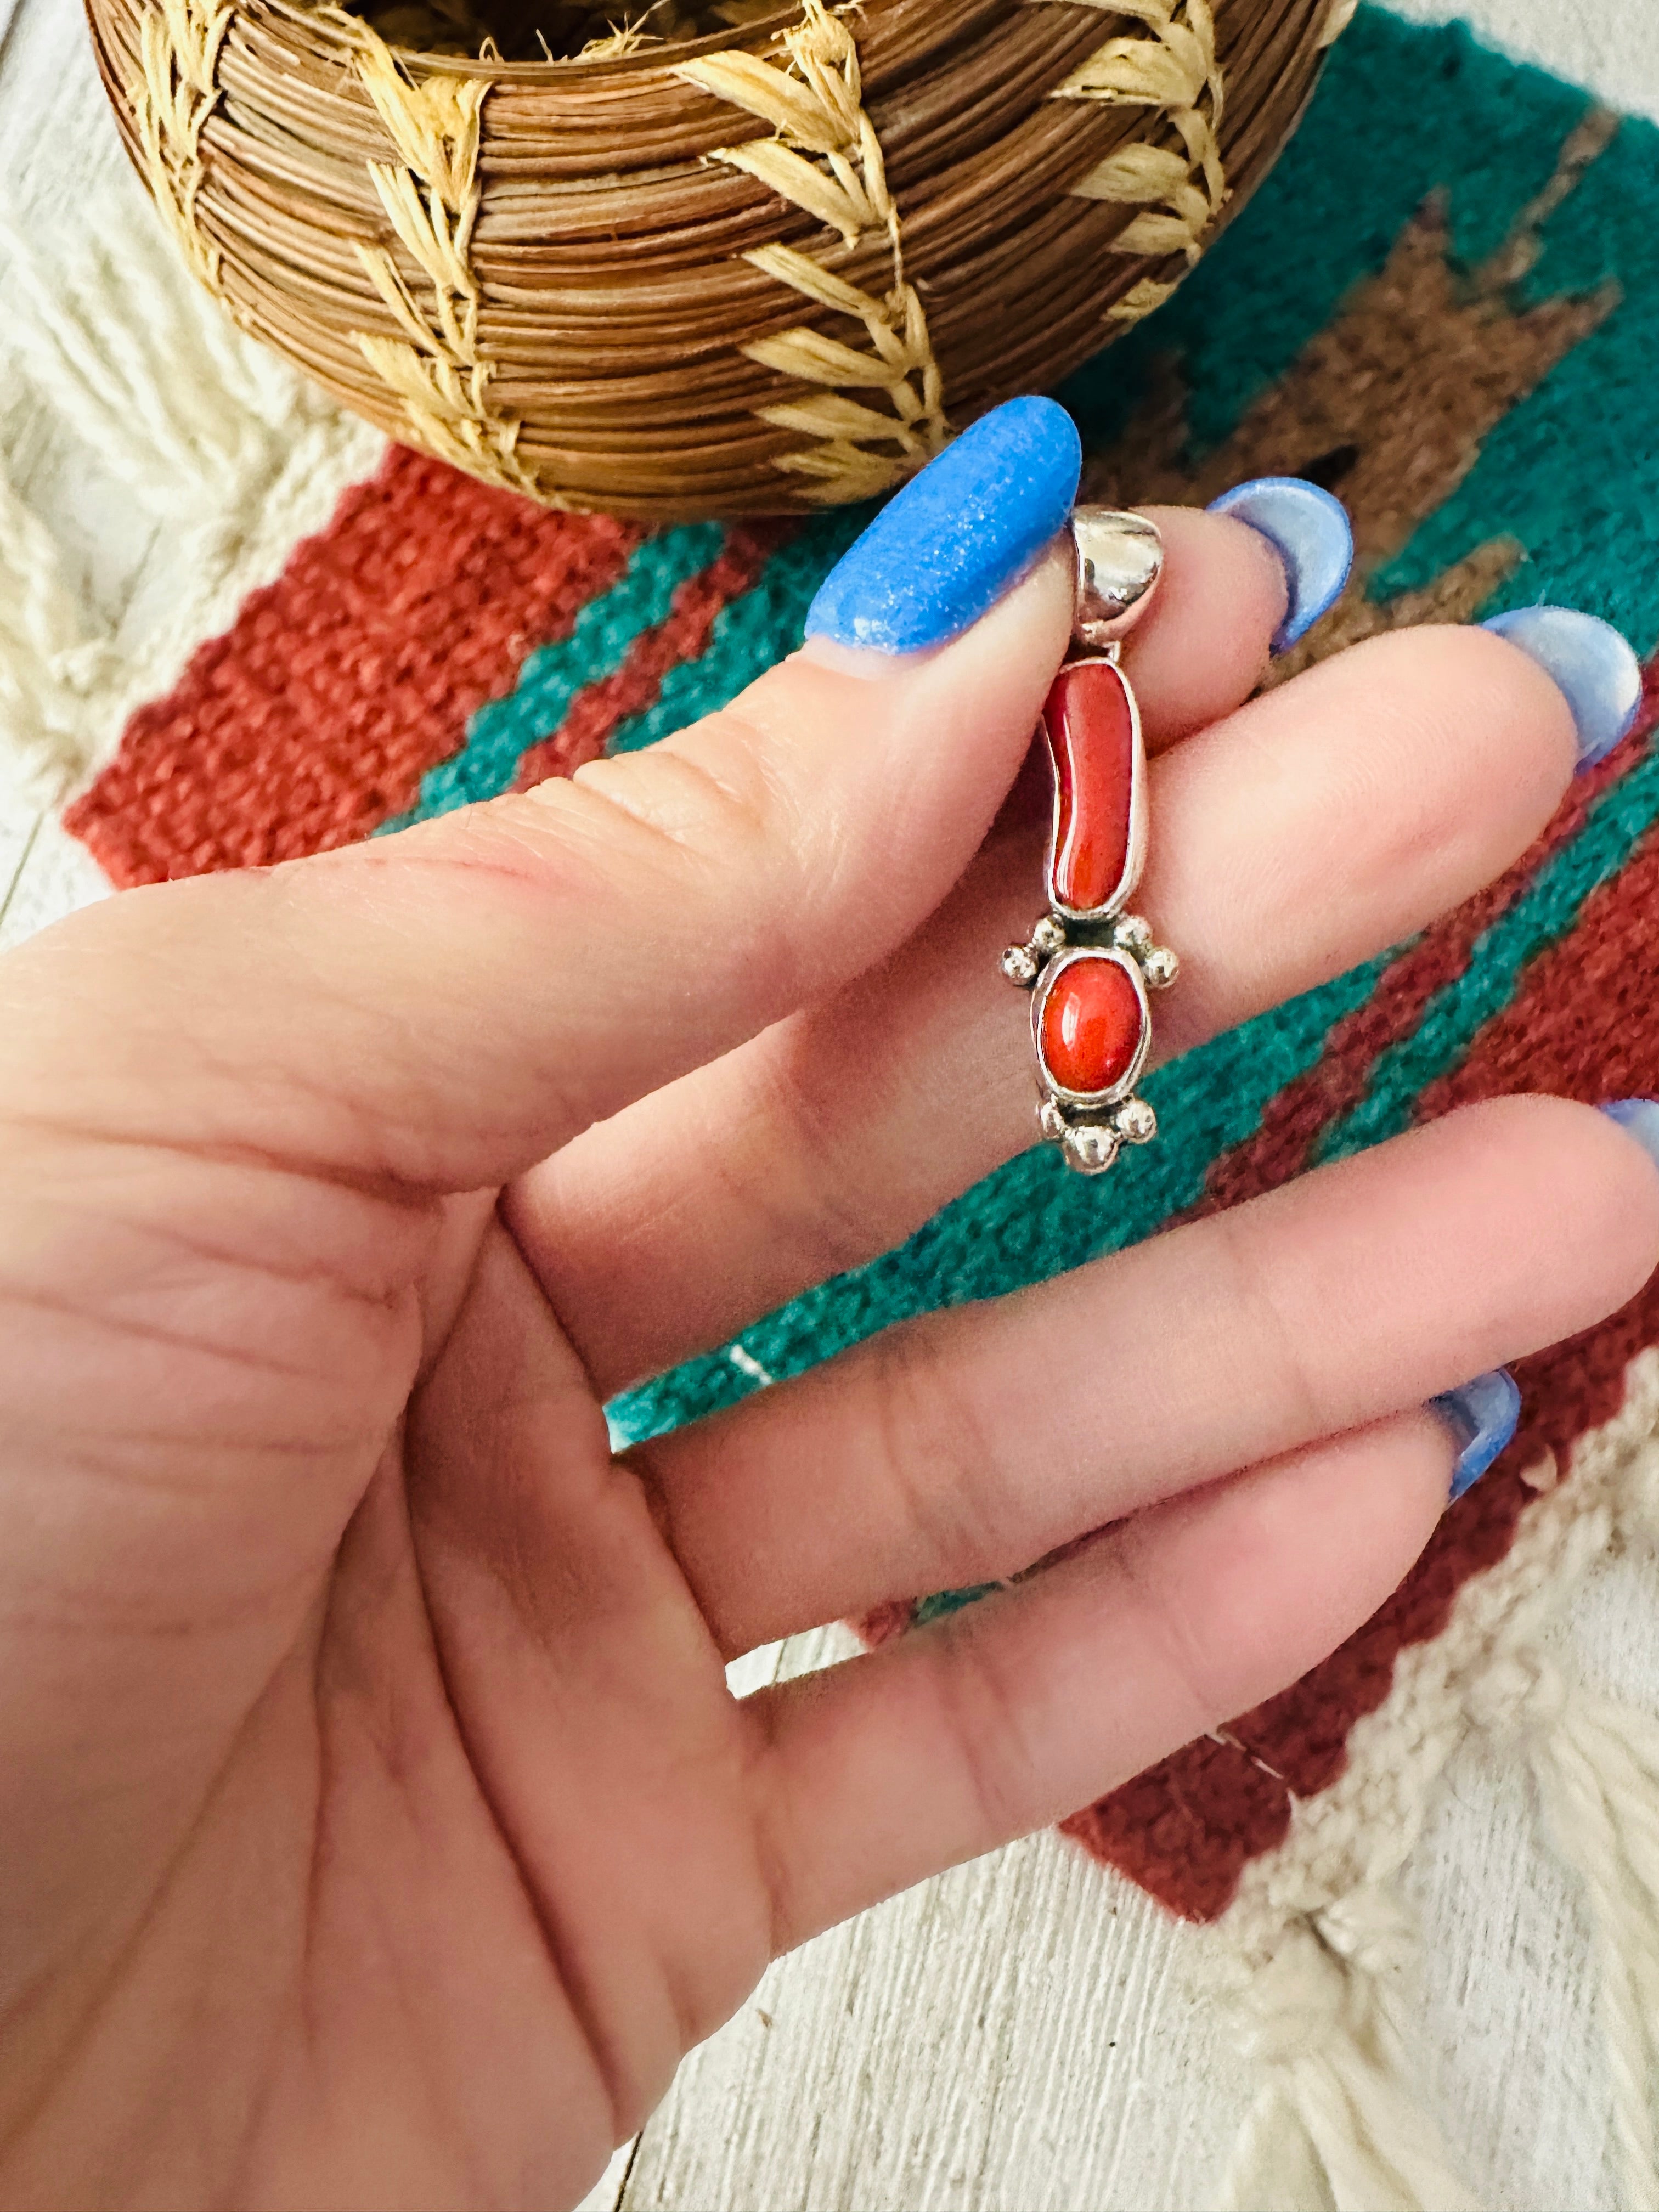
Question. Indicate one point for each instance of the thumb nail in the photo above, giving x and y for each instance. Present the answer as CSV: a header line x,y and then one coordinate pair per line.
x,y
945,549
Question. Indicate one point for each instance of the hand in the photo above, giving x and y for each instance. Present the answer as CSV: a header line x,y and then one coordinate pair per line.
x,y
378,1827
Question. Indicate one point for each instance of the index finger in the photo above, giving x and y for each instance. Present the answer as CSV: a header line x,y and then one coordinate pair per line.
x,y
442,1008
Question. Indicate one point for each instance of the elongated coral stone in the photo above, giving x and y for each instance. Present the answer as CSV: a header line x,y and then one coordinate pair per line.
x,y
1090,723
1090,1026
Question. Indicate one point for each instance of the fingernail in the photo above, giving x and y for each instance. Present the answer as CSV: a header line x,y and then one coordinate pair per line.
x,y
1596,670
1482,1416
949,545
1641,1117
1309,529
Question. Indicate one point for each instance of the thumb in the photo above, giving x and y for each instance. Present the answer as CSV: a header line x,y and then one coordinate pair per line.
x,y
446,1007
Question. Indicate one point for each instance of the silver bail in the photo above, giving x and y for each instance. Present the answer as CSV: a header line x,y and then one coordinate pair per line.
x,y
1119,558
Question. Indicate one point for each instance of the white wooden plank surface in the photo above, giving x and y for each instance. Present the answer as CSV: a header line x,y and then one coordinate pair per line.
x,y
55,876
1024,2033
1013,2037
18,823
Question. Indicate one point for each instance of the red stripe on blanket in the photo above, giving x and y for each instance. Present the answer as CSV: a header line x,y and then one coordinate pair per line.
x,y
1584,1023
600,707
314,718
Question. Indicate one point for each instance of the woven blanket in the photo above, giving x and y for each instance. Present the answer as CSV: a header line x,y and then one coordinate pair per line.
x,y
1444,304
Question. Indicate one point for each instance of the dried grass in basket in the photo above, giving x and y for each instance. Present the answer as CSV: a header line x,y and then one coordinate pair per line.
x,y
761,269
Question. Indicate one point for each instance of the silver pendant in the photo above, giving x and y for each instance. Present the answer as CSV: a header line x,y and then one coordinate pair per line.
x,y
1088,964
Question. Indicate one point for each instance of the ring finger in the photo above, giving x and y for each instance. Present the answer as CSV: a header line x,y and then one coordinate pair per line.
x,y
959,1448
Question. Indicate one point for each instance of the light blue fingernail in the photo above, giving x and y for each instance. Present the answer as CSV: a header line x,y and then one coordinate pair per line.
x,y
1596,670
949,545
1641,1117
1482,1416
1309,529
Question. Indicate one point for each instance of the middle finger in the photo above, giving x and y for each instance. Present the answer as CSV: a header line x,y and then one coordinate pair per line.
x,y
1306,832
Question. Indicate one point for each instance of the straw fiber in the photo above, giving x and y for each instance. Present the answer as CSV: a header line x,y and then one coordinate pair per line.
x,y
669,271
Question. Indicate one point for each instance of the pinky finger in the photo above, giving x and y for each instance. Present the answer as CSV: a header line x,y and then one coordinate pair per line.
x,y
1042,1696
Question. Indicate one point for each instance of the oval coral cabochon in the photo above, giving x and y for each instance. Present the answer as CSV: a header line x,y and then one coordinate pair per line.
x,y
1090,1025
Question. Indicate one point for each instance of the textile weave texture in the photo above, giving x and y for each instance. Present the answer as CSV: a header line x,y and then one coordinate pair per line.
x,y
1443,304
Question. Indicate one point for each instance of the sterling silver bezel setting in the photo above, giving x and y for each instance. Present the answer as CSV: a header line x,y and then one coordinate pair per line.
x,y
1135,850
1072,957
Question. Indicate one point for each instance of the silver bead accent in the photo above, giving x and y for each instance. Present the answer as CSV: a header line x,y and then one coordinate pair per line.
x,y
1091,1149
1048,937
1020,966
1160,967
1137,1124
1051,1120
1133,934
1119,558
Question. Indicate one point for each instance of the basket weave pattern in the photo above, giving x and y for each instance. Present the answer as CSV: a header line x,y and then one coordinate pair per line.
x,y
751,273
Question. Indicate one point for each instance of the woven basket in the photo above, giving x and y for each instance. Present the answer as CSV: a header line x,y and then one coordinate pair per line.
x,y
758,272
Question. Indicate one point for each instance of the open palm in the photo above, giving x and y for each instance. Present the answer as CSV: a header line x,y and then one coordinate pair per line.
x,y
379,1826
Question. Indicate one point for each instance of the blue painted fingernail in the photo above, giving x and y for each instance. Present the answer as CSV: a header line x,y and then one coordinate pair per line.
x,y
1482,1416
1596,670
949,545
1309,529
1641,1117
